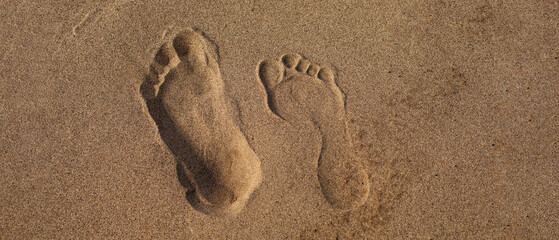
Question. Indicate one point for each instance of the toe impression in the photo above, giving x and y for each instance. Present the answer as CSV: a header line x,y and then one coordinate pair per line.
x,y
190,47
326,74
303,66
313,70
290,60
270,72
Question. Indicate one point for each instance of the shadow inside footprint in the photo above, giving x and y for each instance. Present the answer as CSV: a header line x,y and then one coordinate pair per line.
x,y
183,178
179,147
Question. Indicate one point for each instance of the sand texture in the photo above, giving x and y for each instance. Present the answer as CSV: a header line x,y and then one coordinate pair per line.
x,y
279,119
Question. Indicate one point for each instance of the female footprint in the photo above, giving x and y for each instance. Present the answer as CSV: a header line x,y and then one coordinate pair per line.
x,y
185,97
302,92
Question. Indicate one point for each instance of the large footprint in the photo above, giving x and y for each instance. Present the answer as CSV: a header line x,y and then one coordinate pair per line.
x,y
185,97
302,92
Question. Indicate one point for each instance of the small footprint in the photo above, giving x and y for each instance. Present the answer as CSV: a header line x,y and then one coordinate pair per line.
x,y
185,97
302,92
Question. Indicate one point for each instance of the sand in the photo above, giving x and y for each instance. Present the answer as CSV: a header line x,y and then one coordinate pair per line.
x,y
451,107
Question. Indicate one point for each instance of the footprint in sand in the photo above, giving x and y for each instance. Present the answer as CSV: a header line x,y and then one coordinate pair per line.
x,y
302,92
185,97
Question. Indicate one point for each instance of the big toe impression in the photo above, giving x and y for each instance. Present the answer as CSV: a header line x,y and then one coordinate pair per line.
x,y
190,47
270,72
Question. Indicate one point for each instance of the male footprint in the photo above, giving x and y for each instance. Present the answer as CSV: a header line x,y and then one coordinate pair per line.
x,y
185,96
302,92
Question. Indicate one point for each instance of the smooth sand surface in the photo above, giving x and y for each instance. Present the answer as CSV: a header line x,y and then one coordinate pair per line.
x,y
452,108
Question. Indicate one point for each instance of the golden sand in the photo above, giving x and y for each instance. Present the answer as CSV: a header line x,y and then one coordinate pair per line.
x,y
446,115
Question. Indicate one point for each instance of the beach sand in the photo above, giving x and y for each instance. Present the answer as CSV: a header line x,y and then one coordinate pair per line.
x,y
451,110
